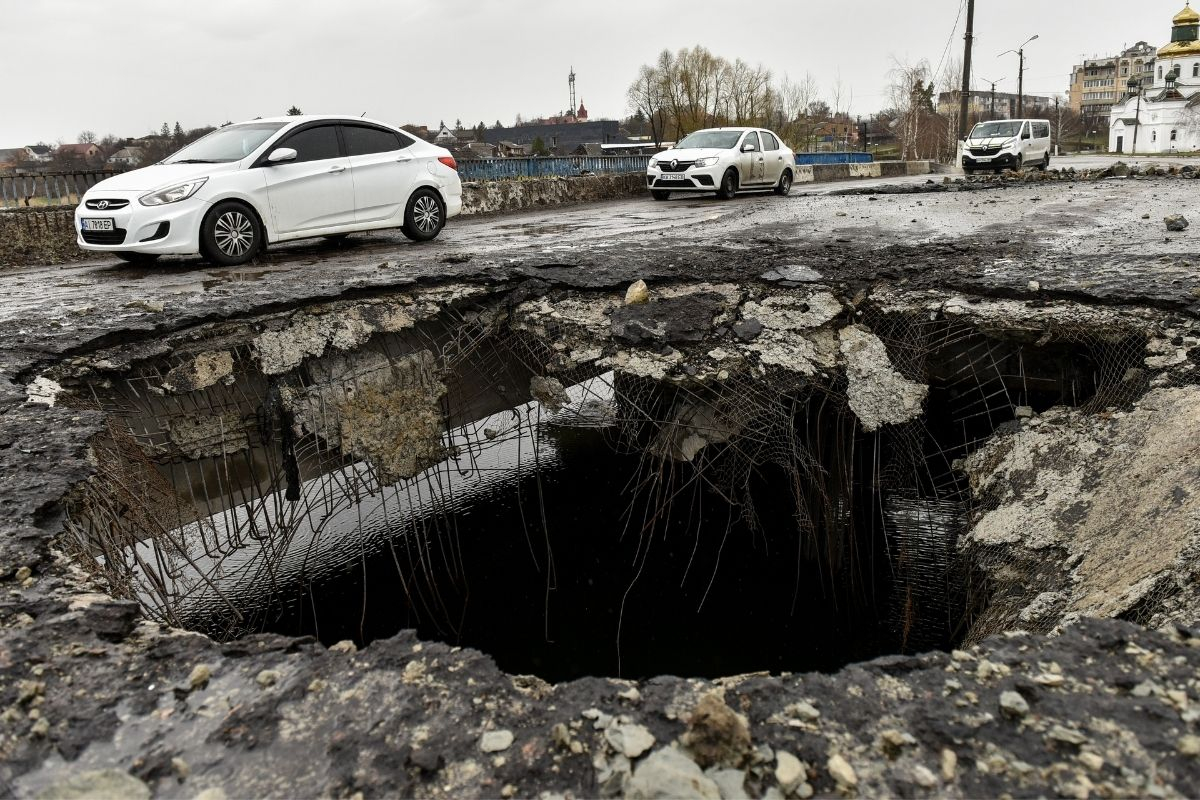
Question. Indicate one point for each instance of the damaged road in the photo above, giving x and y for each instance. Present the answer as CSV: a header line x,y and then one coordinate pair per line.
x,y
1086,312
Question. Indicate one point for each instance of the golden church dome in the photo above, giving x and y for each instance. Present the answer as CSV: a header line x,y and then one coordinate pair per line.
x,y
1185,36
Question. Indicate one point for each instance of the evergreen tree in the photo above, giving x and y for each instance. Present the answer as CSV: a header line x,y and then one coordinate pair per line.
x,y
178,132
294,112
164,131
539,147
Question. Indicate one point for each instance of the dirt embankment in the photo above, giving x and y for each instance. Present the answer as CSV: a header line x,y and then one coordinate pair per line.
x,y
38,236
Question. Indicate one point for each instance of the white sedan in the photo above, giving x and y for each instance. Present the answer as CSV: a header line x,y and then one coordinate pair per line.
x,y
229,194
725,161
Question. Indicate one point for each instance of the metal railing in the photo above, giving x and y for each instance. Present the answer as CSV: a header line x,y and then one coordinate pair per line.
x,y
804,159
48,188
493,169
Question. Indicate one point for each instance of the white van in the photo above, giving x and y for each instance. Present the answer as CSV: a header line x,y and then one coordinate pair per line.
x,y
1011,143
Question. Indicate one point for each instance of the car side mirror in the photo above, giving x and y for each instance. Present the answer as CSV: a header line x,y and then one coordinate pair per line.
x,y
281,154
747,148
1026,135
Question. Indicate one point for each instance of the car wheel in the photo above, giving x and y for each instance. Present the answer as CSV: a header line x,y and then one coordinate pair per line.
x,y
729,184
784,187
138,258
425,216
659,195
230,234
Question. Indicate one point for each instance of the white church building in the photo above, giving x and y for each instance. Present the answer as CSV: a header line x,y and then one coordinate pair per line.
x,y
1164,116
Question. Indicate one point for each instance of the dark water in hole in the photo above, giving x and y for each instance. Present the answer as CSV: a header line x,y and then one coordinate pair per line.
x,y
551,576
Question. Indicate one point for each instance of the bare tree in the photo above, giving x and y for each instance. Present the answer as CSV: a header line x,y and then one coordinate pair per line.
x,y
87,137
911,95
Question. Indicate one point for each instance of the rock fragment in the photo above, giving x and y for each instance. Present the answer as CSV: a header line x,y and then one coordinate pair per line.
x,y
496,741
841,771
1176,223
1013,705
101,784
668,773
629,740
637,293
199,677
789,771
716,735
549,392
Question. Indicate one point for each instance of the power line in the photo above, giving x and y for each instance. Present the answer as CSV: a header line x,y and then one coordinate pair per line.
x,y
946,51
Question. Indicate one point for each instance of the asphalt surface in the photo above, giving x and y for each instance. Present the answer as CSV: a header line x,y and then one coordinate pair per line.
x,y
1089,237
97,701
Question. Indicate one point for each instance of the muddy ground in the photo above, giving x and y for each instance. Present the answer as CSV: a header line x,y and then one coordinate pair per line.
x,y
93,698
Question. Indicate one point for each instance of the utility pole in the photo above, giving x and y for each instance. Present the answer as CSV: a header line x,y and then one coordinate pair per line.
x,y
1020,51
992,105
966,79
1021,85
1137,119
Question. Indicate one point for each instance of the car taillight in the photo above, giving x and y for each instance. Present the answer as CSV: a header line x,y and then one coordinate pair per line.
x,y
449,162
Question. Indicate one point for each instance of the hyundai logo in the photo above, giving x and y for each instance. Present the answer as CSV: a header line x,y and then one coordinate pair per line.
x,y
674,163
103,204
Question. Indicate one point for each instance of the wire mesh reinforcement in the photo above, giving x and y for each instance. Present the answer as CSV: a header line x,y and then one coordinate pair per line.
x,y
203,498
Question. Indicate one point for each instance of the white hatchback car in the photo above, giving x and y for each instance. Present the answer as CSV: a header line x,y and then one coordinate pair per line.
x,y
725,161
229,194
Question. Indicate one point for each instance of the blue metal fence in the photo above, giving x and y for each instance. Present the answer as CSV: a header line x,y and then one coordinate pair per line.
x,y
493,169
803,159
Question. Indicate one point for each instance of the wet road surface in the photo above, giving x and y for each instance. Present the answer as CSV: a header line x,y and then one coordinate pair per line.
x,y
1093,228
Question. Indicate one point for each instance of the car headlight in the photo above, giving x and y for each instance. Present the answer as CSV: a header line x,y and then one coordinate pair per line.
x,y
172,194
654,162
707,161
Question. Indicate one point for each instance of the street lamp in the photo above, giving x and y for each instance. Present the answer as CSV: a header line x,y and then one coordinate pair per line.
x,y
992,111
1020,51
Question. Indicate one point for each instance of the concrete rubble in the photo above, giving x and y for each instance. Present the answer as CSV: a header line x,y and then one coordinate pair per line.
x,y
1077,677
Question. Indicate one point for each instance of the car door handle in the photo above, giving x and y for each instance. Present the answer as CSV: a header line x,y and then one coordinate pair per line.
x,y
403,157
338,168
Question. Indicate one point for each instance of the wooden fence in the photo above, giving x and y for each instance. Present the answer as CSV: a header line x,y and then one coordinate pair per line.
x,y
48,188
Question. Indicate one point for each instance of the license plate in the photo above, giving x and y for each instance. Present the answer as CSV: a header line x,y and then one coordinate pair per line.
x,y
97,224
674,177
983,158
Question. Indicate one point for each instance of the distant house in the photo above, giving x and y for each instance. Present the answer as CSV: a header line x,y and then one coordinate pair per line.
x,y
419,131
559,138
79,152
589,149
127,157
512,150
470,150
445,137
41,152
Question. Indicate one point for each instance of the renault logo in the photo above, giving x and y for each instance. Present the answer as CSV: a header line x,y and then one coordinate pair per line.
x,y
103,204
674,163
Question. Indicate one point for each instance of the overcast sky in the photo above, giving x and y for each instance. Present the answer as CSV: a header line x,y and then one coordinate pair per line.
x,y
125,68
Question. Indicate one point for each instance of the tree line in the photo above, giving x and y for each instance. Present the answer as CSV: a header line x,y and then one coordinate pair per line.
x,y
693,88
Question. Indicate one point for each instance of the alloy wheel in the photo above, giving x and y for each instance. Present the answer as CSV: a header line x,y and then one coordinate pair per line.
x,y
233,234
426,214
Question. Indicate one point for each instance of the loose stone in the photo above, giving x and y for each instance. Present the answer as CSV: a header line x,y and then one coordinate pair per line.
x,y
496,741
789,770
267,678
841,770
668,773
199,677
1013,705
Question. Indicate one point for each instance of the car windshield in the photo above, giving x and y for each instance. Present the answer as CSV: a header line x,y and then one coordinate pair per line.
x,y
231,143
1004,127
715,140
